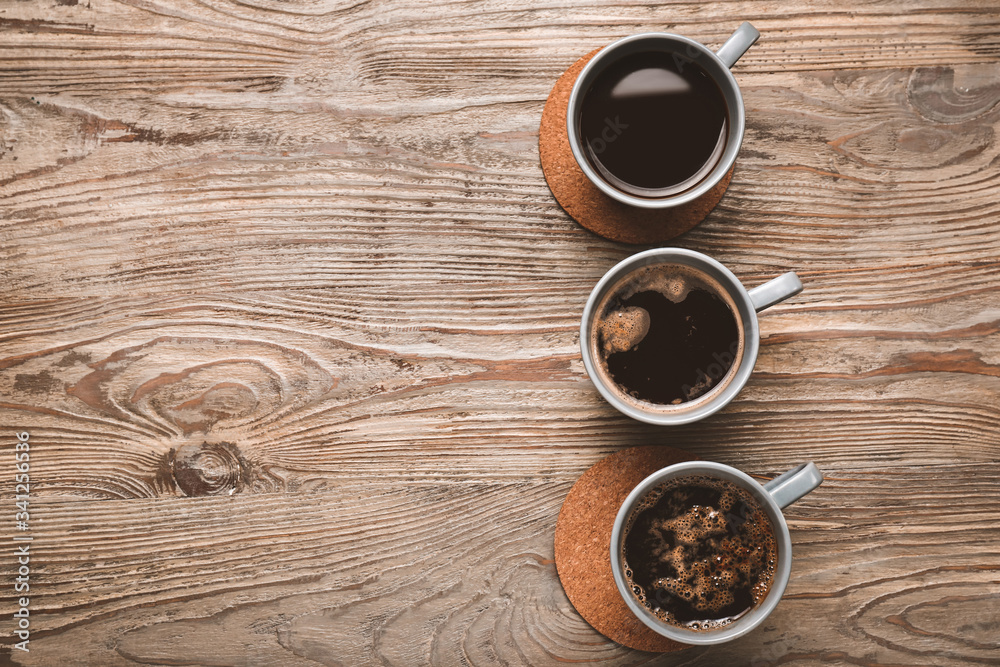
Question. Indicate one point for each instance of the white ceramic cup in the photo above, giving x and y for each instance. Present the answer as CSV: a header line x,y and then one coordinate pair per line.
x,y
747,303
715,63
772,496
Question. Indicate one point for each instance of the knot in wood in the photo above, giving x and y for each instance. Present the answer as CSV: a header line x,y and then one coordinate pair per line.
x,y
209,469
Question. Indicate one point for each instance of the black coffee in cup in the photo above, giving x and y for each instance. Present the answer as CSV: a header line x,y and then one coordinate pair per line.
x,y
666,334
654,123
699,552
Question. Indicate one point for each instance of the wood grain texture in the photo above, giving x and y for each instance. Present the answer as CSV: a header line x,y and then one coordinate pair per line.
x,y
292,320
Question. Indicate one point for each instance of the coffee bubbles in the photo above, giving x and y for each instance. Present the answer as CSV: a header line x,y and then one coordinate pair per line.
x,y
699,552
623,329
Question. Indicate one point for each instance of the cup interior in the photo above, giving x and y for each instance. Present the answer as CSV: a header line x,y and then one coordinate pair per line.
x,y
723,392
748,621
681,47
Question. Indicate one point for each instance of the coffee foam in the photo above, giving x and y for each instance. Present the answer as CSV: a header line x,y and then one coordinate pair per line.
x,y
723,560
624,329
673,281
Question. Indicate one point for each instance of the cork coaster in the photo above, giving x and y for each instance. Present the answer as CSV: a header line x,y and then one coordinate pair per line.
x,y
590,207
583,543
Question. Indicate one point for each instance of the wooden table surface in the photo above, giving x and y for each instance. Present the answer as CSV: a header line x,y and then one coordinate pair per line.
x,y
291,318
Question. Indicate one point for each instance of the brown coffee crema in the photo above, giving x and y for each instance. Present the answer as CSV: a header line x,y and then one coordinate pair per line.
x,y
699,552
666,336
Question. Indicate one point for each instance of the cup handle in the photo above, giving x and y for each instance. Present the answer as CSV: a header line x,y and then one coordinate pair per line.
x,y
797,482
775,291
737,44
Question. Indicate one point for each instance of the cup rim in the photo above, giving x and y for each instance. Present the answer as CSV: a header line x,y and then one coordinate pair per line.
x,y
755,616
736,119
685,413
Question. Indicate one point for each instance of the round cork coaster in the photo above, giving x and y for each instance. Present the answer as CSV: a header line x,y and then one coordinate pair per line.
x,y
583,543
590,207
